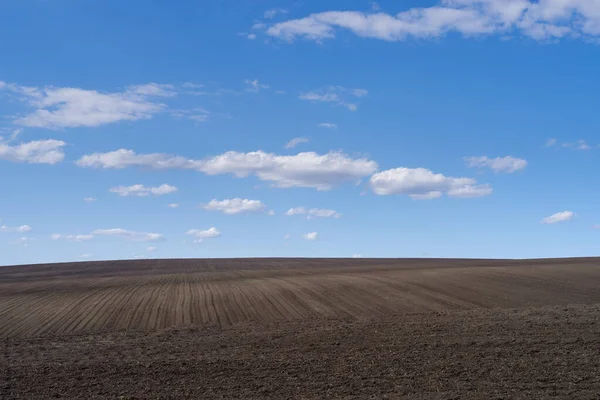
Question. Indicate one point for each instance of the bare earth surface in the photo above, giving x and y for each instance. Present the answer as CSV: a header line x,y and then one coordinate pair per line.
x,y
301,328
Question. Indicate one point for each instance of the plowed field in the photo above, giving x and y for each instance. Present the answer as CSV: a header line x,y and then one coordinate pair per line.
x,y
303,328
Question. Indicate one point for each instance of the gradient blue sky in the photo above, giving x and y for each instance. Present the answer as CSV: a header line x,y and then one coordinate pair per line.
x,y
452,128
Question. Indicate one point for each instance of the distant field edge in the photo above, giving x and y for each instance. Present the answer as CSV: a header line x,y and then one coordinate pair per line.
x,y
351,260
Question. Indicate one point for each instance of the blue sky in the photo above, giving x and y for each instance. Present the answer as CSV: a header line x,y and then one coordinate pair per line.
x,y
447,128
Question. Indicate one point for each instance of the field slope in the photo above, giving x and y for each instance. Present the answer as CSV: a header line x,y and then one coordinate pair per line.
x,y
305,328
141,295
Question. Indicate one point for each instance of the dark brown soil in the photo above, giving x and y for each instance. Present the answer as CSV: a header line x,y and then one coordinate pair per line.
x,y
310,329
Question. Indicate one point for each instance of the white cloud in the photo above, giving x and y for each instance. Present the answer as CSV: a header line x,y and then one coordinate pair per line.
x,y
334,94
251,36
324,97
80,238
66,107
22,240
235,206
151,249
15,133
506,164
536,19
192,85
197,114
427,196
72,238
90,199
24,228
127,158
470,191
327,125
142,191
309,169
271,213
360,92
35,152
255,86
558,217
310,236
199,117
286,237
356,255
202,235
86,255
130,235
153,89
313,212
19,229
12,134
296,141
580,144
422,184
173,205
269,14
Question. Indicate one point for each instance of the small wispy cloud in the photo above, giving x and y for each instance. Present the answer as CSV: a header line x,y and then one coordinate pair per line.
x,y
335,94
9,134
22,241
192,85
197,114
35,152
558,217
310,236
130,235
115,232
72,238
327,125
506,164
255,86
143,191
68,107
235,206
313,212
580,144
272,13
19,229
202,235
295,142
